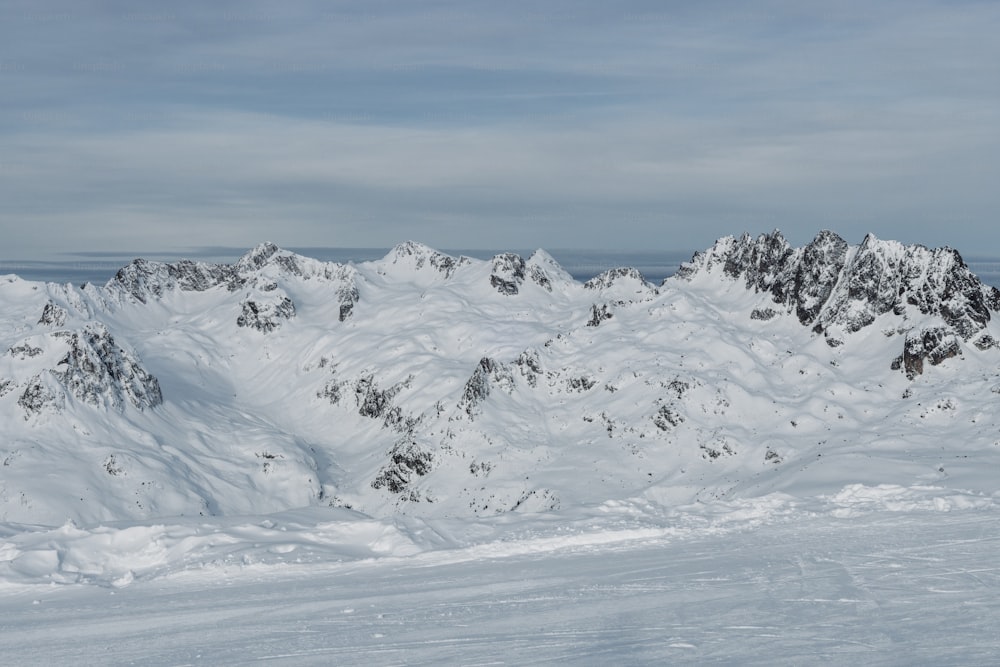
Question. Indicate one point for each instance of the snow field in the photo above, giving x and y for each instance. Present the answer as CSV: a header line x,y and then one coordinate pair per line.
x,y
759,583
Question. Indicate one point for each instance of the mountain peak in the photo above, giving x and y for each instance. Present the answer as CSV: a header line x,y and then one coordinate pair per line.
x,y
411,249
831,286
259,256
419,257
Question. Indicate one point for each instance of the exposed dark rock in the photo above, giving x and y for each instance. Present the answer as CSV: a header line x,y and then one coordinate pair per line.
x,y
611,276
582,383
53,315
716,449
348,296
545,271
332,391
627,275
985,342
142,279
678,387
24,351
934,345
823,287
421,255
399,421
265,317
406,461
508,273
477,388
36,397
816,275
827,284
540,278
113,467
530,365
763,314
96,369
257,258
599,314
372,401
666,418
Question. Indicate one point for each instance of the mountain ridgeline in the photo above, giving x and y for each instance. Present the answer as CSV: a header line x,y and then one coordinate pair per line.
x,y
445,386
837,289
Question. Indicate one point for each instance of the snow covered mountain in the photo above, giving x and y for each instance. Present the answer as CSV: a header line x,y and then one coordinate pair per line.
x,y
441,386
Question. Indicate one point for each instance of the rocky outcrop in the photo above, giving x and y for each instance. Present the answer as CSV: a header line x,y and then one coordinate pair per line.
x,y
53,315
508,273
545,271
623,285
265,316
832,287
37,396
348,296
96,370
24,350
599,314
418,256
142,279
373,402
487,374
257,258
406,461
611,277
932,345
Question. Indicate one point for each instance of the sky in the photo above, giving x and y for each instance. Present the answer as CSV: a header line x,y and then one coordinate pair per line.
x,y
633,125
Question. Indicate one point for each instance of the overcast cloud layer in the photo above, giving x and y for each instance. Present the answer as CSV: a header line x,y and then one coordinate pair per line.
x,y
626,125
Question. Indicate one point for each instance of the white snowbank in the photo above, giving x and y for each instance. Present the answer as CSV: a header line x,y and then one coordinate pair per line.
x,y
116,555
857,499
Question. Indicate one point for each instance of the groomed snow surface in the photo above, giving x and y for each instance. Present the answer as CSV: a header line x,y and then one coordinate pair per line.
x,y
871,575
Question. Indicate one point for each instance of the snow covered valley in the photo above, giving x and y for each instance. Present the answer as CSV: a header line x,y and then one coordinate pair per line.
x,y
778,455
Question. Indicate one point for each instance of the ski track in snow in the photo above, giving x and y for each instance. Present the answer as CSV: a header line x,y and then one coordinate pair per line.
x,y
889,587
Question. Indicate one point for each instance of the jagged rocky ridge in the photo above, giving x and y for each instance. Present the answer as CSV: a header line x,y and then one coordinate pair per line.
x,y
446,385
837,289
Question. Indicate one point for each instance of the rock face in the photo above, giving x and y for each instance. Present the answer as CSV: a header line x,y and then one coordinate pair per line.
x,y
96,369
418,255
265,316
53,315
405,460
612,277
508,273
835,288
599,314
477,389
142,279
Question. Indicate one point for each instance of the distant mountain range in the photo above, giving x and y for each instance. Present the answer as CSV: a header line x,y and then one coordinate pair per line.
x,y
438,385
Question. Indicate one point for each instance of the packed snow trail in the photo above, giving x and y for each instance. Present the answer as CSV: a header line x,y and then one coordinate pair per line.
x,y
913,586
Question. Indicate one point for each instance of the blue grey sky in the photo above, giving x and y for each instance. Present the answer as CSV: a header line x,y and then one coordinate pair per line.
x,y
622,125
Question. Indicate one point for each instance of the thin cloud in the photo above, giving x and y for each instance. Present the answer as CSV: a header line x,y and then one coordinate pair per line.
x,y
477,124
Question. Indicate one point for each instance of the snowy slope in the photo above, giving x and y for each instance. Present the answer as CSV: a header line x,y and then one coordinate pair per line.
x,y
779,456
883,581
438,387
